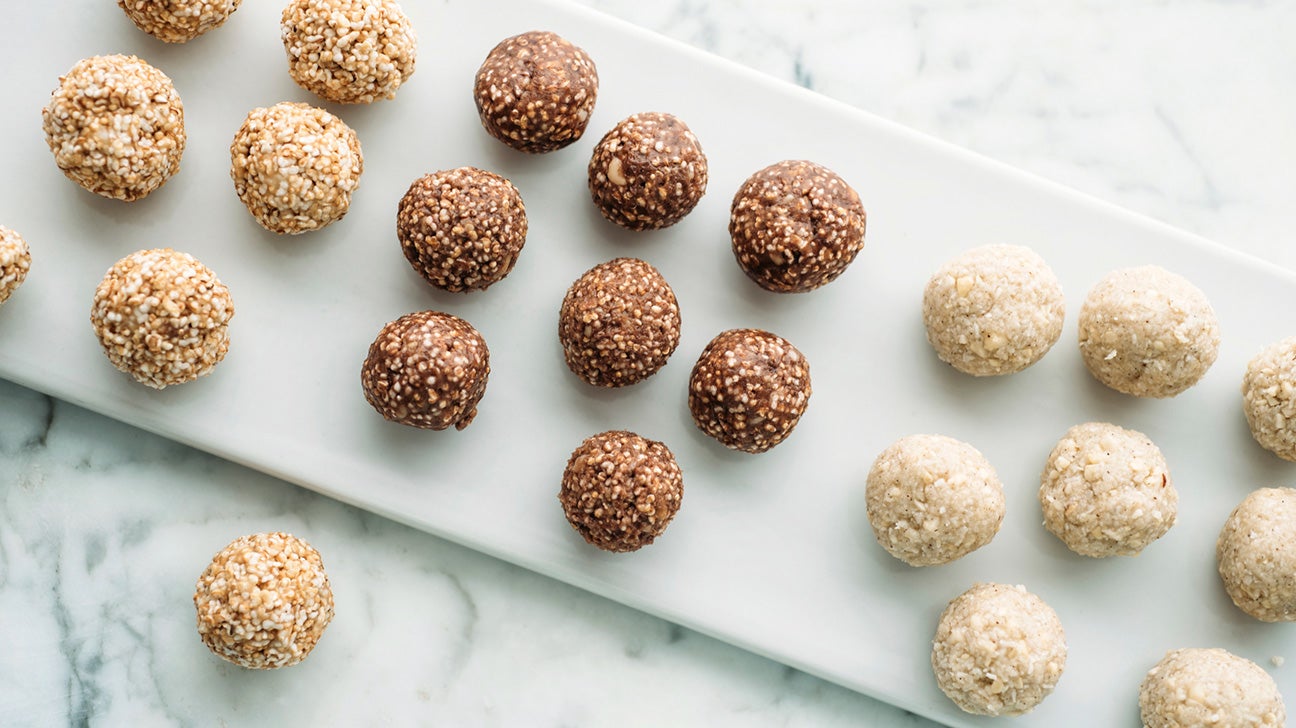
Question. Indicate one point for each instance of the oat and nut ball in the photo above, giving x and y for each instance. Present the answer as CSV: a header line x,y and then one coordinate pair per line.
x,y
749,389
1256,551
999,650
1106,491
1209,687
116,126
796,226
619,323
162,317
264,601
648,172
15,261
620,490
178,21
295,167
349,51
428,370
1148,332
462,229
535,91
932,499
994,309
1269,398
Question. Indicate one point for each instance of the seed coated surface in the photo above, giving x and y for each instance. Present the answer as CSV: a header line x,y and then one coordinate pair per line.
x,y
535,91
1209,687
349,51
178,21
620,490
1269,398
15,262
1256,551
648,172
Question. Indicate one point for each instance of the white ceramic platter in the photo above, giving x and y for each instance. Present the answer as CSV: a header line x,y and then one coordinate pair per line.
x,y
770,552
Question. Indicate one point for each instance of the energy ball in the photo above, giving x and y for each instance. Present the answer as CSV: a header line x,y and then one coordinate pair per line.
x,y
749,389
999,650
993,310
1106,491
349,51
116,126
648,172
178,21
535,92
428,370
933,499
462,229
1209,687
619,323
796,226
264,601
620,490
15,261
295,166
1148,332
162,317
1269,398
1256,551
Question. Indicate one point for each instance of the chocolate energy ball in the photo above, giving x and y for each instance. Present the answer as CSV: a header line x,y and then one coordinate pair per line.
x,y
462,229
648,172
162,317
178,21
116,126
1209,687
264,601
427,369
620,490
1256,551
1269,398
15,261
535,91
796,226
295,167
749,389
619,323
349,51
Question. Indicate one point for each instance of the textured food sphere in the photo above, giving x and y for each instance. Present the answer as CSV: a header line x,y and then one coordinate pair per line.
x,y
462,229
178,21
648,172
933,499
619,323
116,126
295,167
535,91
620,490
1106,491
264,601
796,226
995,309
349,51
1256,551
1148,332
162,317
15,261
1209,687
427,369
1269,398
749,389
999,650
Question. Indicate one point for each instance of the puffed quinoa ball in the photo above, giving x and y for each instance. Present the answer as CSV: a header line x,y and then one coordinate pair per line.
x,y
620,490
648,172
15,261
1209,687
1269,398
535,91
427,369
178,21
1256,551
349,51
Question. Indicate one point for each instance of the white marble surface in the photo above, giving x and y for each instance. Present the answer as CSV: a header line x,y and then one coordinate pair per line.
x,y
1182,110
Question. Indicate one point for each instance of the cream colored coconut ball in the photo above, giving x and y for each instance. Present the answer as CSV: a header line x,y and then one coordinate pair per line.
x,y
1269,398
933,499
999,650
178,21
1257,555
1106,491
996,309
349,51
1209,687
1148,332
15,261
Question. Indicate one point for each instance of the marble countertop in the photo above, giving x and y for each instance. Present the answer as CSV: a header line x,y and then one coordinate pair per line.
x,y
1183,111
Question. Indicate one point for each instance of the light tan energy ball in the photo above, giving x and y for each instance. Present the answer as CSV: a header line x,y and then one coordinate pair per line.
x,y
349,51
1257,555
1269,398
1148,332
264,601
15,261
996,309
1106,491
1209,687
933,499
178,21
295,167
999,650
116,126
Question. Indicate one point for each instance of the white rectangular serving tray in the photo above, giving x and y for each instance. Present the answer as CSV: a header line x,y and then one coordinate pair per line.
x,y
769,552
